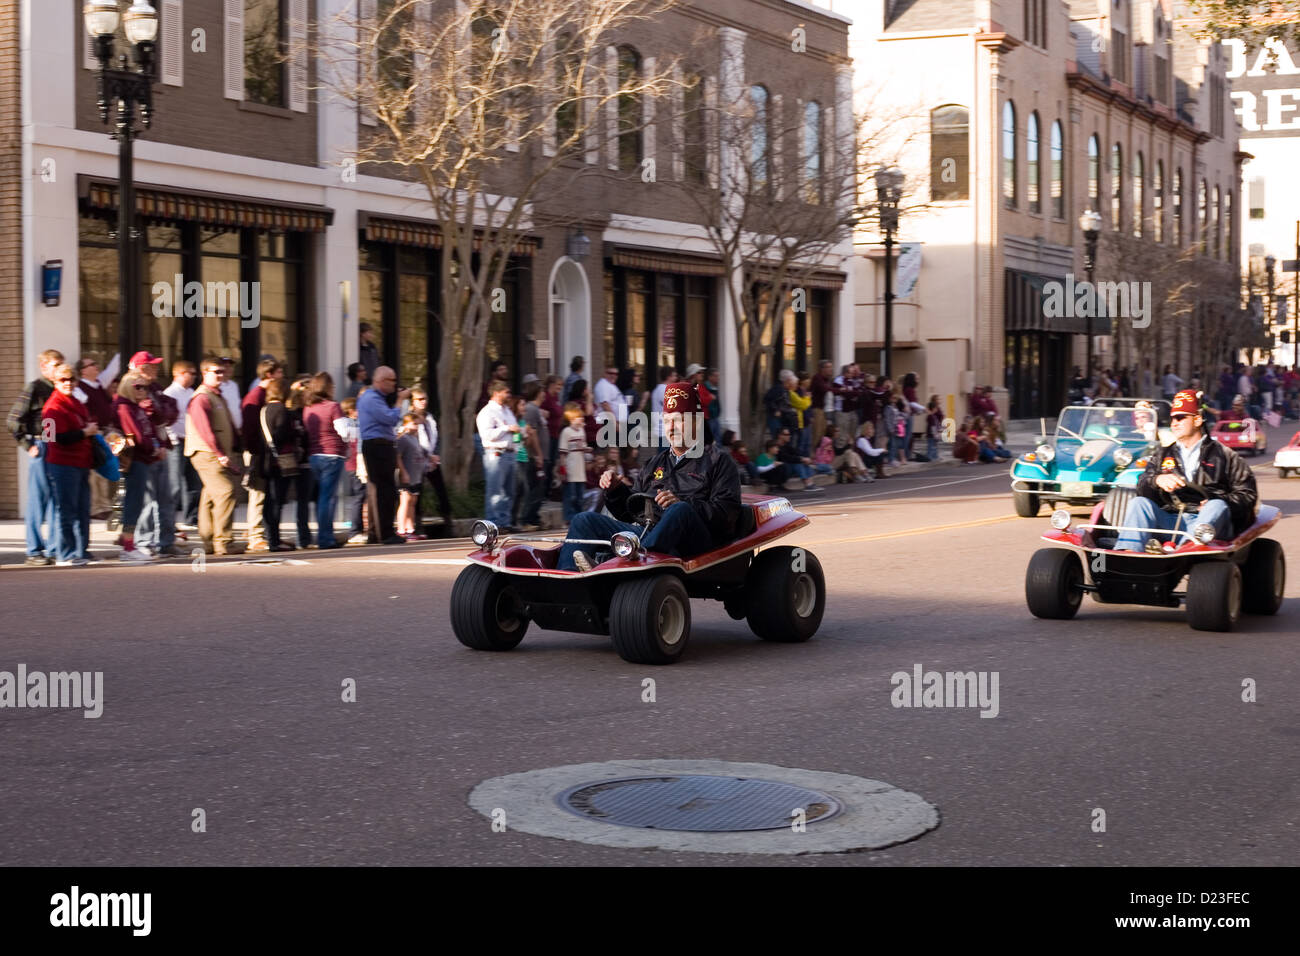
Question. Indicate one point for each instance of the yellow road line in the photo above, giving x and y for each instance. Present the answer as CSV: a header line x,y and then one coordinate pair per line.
x,y
914,531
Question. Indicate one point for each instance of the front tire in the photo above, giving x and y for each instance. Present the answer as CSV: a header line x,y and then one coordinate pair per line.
x,y
650,619
1027,503
785,595
1214,596
1054,584
483,616
1263,578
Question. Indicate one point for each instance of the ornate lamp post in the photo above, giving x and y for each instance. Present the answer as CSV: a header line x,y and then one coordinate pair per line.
x,y
889,190
1090,223
126,90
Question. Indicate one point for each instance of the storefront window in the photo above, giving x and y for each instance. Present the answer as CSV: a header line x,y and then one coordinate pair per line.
x,y
636,320
97,281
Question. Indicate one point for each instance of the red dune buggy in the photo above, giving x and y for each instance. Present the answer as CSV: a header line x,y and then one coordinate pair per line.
x,y
640,599
1224,578
1244,436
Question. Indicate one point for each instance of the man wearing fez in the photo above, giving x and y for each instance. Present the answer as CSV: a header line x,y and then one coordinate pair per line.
x,y
697,486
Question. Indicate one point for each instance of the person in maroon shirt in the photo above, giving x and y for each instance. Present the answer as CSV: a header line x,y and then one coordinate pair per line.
x,y
822,383
68,461
550,406
325,452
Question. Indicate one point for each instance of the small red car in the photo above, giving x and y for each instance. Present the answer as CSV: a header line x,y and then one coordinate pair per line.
x,y
1287,459
1245,437
640,599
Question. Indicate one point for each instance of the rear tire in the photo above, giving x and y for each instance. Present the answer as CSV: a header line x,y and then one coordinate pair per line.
x,y
1027,503
482,611
1263,578
1214,596
783,604
650,619
1054,584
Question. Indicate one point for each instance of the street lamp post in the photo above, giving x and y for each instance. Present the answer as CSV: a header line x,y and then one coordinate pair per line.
x,y
1090,223
889,190
1270,263
127,89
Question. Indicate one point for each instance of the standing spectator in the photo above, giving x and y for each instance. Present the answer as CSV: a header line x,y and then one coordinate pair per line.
x,y
184,480
933,428
230,392
776,403
528,465
302,481
427,435
255,447
630,393
713,407
607,399
823,399
356,380
498,371
68,460
553,416
156,530
1170,383
667,376
894,417
354,492
132,406
910,385
497,428
875,393
800,399
367,354
534,472
1078,389
581,396
279,445
100,406
573,445
325,453
378,423
1146,379
575,374
1227,388
412,460
24,424
848,391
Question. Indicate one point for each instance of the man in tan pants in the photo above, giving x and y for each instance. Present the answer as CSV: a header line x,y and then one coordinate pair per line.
x,y
211,443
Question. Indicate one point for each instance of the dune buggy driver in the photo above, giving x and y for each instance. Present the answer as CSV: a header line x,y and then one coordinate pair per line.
x,y
693,489
1194,480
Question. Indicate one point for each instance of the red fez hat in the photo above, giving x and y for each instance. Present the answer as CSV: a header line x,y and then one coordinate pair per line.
x,y
1187,402
681,397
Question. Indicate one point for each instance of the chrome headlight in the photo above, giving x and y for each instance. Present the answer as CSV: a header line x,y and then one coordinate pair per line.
x,y
625,544
484,534
1123,458
1060,519
1203,533
1045,452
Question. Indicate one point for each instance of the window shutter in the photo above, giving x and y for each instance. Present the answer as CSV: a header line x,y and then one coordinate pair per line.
x,y
368,49
776,144
172,36
648,115
233,51
298,55
711,128
679,126
611,106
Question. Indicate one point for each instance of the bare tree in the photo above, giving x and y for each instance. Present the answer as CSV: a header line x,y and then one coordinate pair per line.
x,y
489,105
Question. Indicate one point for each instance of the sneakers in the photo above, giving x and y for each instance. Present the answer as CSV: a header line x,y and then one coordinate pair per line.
x,y
135,556
257,547
37,561
581,561
73,563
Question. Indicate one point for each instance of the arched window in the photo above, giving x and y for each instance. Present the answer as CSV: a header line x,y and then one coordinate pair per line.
x,y
1178,207
1058,171
1094,173
758,137
567,64
631,143
1217,213
812,151
1202,218
695,149
1116,187
1009,170
949,153
1158,202
1033,188
1139,196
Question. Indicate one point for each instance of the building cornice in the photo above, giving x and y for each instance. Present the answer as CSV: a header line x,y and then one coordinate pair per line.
x,y
1091,86
997,42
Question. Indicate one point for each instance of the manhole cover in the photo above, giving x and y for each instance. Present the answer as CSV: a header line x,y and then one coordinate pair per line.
x,y
697,803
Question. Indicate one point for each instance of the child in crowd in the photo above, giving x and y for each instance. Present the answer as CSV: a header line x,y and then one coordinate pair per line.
x,y
412,461
933,427
966,446
770,469
823,455
846,462
871,455
591,500
748,473
573,445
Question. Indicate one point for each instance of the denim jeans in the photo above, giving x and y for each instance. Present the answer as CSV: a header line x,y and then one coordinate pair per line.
x,y
302,492
272,501
325,470
40,509
137,480
156,527
680,532
573,494
70,493
931,447
1145,513
185,485
802,441
499,474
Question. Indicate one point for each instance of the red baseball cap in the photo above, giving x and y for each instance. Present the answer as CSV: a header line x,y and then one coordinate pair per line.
x,y
681,397
1187,402
144,358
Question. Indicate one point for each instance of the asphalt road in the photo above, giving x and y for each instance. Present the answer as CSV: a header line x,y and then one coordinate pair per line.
x,y
222,690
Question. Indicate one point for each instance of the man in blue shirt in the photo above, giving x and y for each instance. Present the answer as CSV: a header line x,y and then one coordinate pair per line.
x,y
378,421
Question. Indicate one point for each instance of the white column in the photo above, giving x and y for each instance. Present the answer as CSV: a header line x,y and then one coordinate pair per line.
x,y
844,155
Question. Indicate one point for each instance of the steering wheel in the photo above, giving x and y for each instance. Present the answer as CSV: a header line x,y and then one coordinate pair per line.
x,y
650,510
1194,489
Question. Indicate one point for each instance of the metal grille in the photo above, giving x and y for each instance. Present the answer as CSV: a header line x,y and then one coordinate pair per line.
x,y
697,803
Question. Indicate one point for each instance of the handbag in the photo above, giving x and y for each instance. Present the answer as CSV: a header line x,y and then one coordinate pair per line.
x,y
287,462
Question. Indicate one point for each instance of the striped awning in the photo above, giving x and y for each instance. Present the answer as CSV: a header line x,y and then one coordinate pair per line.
x,y
164,204
662,260
422,232
822,279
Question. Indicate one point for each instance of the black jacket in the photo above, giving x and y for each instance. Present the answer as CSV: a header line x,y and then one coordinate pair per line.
x,y
710,483
1221,472
24,421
